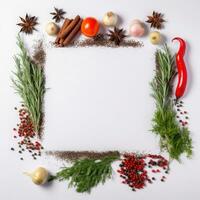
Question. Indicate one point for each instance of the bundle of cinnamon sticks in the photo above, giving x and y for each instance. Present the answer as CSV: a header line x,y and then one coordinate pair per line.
x,y
68,31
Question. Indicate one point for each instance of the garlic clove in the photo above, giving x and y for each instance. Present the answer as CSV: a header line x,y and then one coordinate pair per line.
x,y
110,19
136,21
136,29
52,29
38,176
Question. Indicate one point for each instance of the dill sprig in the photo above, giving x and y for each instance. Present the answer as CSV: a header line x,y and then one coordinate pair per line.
x,y
173,138
85,174
29,83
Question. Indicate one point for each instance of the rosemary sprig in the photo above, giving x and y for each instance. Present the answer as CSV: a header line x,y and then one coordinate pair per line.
x,y
29,83
173,138
86,173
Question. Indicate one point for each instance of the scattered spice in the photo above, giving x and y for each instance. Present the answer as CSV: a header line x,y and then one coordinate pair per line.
x,y
133,169
39,54
27,138
99,37
182,114
156,20
28,24
58,14
105,43
75,155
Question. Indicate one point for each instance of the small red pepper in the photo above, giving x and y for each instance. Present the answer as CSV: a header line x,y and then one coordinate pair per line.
x,y
182,70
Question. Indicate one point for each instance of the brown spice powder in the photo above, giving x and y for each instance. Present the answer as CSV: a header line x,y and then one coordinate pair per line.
x,y
75,155
105,43
39,54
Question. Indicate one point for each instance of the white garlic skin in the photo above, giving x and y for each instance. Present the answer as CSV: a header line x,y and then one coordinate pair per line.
x,y
39,176
137,28
52,29
110,19
136,21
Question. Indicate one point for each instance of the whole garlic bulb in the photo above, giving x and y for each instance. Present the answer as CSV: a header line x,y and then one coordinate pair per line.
x,y
137,28
155,37
39,176
110,19
52,28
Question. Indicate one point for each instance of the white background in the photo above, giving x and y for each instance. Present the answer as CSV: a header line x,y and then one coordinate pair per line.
x,y
112,113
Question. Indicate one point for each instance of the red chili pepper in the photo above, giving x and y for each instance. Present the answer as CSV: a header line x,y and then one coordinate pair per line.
x,y
182,71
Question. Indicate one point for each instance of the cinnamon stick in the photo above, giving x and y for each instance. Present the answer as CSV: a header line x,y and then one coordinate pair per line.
x,y
73,33
65,24
70,27
61,40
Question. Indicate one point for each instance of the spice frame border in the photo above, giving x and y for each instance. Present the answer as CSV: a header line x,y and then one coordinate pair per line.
x,y
25,62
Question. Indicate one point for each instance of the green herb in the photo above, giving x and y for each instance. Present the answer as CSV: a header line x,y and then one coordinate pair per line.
x,y
173,138
87,173
29,83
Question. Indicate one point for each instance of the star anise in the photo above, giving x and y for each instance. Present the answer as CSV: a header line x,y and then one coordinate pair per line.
x,y
58,14
117,35
28,24
156,20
